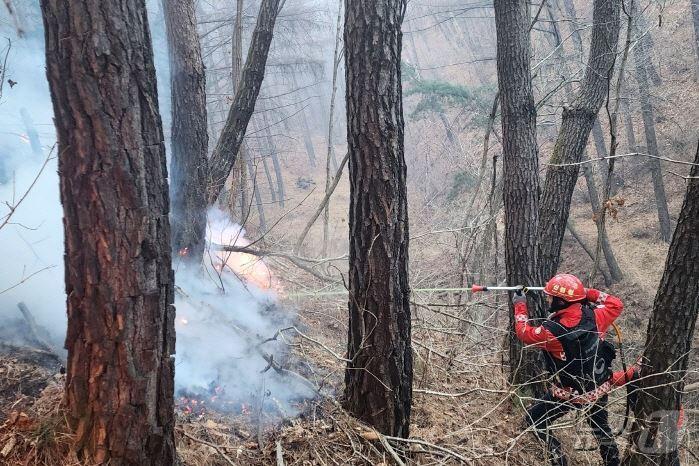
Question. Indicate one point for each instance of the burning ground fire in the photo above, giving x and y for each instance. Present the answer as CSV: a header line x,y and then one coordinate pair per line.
x,y
226,360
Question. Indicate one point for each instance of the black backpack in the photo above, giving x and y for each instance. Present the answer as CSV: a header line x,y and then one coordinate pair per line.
x,y
588,358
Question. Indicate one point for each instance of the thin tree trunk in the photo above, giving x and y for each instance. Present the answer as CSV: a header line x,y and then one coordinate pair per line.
x,y
268,175
616,274
654,437
226,151
520,166
252,172
600,150
632,145
378,379
570,226
240,177
305,128
322,206
328,161
694,5
189,137
575,132
118,270
614,269
274,156
641,57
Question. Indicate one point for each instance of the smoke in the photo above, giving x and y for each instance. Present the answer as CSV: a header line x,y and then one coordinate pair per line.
x,y
31,244
221,320
225,325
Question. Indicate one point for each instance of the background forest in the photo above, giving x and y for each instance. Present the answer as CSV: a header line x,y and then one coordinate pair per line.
x,y
261,349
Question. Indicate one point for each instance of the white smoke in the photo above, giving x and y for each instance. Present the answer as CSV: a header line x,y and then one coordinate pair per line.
x,y
31,244
224,329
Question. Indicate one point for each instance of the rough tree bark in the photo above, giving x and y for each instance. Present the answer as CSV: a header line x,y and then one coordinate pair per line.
x,y
189,140
576,125
669,341
641,58
378,378
520,165
226,151
119,280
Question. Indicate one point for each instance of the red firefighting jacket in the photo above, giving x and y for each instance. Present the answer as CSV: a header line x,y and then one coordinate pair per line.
x,y
608,309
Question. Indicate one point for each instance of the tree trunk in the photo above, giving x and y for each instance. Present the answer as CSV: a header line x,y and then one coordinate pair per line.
x,y
268,175
575,132
252,172
240,177
330,153
641,57
226,151
274,156
520,166
616,274
601,151
654,439
632,145
305,128
694,5
614,269
189,137
118,271
378,379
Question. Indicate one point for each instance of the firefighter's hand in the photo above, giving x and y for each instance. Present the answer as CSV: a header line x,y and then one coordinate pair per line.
x,y
519,298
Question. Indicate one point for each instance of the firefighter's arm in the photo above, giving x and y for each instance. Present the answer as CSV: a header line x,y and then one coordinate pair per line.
x,y
529,334
608,308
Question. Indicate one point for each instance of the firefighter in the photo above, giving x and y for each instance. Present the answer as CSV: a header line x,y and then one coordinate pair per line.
x,y
578,357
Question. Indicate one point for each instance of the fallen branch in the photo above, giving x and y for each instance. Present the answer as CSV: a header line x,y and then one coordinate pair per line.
x,y
295,260
34,331
390,450
280,454
442,450
306,337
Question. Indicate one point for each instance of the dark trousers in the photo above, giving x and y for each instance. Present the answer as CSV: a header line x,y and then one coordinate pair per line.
x,y
543,413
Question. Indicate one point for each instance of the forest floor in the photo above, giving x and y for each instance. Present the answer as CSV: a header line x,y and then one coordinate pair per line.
x,y
463,410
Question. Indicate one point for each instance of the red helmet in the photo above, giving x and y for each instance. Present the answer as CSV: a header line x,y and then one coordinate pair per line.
x,y
567,287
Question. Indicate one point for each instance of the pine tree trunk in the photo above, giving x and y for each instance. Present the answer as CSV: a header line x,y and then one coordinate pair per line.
x,y
119,280
226,151
575,132
378,379
641,57
189,139
654,439
520,166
